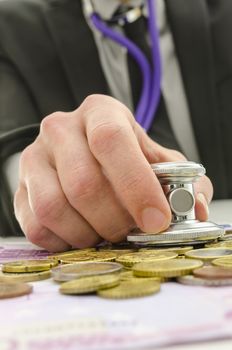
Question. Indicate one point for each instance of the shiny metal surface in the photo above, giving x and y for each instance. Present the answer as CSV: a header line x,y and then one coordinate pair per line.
x,y
178,171
192,231
176,179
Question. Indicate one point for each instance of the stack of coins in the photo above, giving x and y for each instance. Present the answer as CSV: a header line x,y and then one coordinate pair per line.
x,y
123,272
14,275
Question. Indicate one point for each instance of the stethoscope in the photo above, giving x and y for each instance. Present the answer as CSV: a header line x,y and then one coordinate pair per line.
x,y
151,73
175,178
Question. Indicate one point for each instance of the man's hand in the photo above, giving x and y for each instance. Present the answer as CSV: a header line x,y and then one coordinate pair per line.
x,y
87,177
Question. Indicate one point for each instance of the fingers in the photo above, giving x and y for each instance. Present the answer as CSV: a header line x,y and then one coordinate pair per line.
x,y
33,230
85,186
156,153
203,194
112,141
87,177
49,204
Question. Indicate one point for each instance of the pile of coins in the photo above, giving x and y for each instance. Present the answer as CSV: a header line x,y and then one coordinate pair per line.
x,y
122,272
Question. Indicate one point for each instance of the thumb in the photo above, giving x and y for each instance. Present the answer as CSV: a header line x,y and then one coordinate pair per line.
x,y
155,153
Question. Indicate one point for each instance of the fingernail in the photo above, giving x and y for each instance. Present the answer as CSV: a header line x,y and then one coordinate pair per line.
x,y
154,220
201,198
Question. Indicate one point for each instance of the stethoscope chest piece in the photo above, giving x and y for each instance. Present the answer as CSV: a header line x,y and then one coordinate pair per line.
x,y
177,181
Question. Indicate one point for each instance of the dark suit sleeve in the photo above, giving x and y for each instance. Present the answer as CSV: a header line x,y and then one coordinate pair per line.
x,y
18,116
17,108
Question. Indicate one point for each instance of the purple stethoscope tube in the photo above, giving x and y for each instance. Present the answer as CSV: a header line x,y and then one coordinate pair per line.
x,y
151,75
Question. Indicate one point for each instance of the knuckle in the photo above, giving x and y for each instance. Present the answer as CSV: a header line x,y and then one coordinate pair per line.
x,y
93,99
48,208
105,137
97,100
53,124
102,104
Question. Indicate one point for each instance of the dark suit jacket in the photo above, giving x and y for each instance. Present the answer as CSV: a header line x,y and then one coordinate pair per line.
x,y
49,62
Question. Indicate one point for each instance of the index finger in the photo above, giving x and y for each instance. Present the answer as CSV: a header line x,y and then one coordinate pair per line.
x,y
110,135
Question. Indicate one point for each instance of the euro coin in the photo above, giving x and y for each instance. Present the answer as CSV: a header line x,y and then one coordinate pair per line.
x,y
24,277
73,259
177,250
168,268
82,269
213,272
72,253
208,254
92,257
222,244
119,252
12,290
22,266
223,262
130,289
126,275
134,258
129,276
89,284
141,279
197,281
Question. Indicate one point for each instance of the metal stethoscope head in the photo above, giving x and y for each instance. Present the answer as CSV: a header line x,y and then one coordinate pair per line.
x,y
177,181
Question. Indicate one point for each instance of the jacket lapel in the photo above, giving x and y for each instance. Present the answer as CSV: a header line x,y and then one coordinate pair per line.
x,y
190,25
76,48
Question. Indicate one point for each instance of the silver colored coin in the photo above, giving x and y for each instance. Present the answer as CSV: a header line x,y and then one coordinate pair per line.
x,y
82,269
192,231
160,245
209,253
196,281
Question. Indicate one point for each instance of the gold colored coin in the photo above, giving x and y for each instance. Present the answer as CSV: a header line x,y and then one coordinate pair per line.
x,y
126,275
129,276
24,277
134,258
177,250
168,268
89,284
130,289
147,278
224,262
72,253
119,252
73,260
12,290
92,257
22,266
208,254
102,256
222,244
